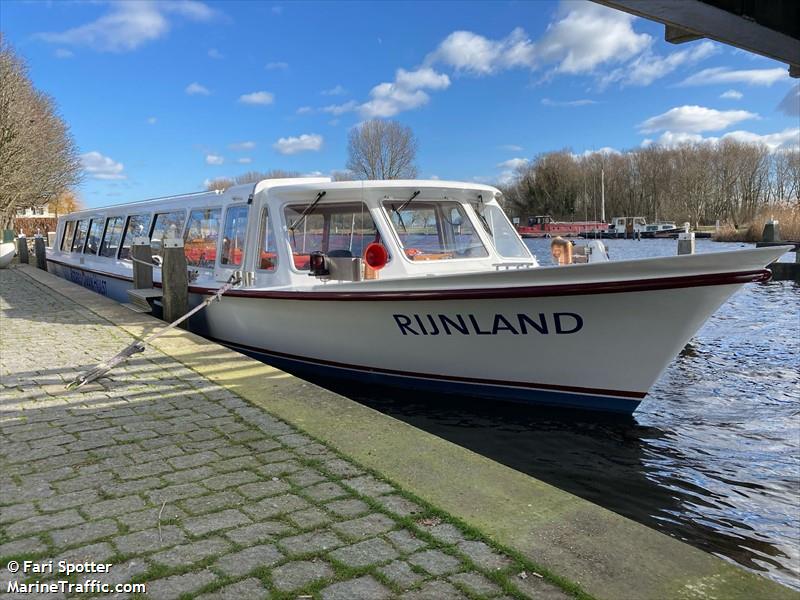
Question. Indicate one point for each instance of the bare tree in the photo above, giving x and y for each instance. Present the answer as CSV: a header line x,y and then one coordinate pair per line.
x,y
38,158
380,149
223,183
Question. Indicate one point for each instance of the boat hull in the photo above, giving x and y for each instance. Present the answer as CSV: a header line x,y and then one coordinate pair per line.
x,y
569,345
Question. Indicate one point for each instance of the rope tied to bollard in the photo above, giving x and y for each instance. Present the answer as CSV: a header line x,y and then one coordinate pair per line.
x,y
139,345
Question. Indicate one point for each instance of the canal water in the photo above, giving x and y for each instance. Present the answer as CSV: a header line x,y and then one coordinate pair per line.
x,y
711,457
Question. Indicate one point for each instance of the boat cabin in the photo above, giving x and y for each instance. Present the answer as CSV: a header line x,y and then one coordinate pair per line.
x,y
291,233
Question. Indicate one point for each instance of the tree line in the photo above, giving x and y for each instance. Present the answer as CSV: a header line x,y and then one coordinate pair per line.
x,y
702,182
39,161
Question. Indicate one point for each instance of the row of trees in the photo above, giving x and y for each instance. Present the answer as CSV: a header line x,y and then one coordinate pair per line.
x,y
696,182
39,162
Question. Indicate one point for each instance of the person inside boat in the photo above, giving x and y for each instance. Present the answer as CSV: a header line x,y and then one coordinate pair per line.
x,y
561,251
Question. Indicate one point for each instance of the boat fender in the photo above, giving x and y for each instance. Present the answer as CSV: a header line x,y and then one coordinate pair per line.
x,y
376,256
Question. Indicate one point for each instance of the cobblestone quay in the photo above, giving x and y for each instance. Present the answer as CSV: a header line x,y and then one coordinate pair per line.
x,y
180,484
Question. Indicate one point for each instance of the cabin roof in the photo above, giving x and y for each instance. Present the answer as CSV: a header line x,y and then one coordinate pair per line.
x,y
302,185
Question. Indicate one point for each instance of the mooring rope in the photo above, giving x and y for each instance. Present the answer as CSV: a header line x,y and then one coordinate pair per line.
x,y
139,345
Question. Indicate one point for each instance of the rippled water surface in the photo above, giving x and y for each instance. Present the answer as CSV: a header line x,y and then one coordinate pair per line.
x,y
712,456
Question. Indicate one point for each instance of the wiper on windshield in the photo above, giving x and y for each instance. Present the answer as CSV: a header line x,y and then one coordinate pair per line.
x,y
399,218
407,202
484,222
306,212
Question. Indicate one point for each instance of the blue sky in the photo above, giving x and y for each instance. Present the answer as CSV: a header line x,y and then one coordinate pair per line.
x,y
162,96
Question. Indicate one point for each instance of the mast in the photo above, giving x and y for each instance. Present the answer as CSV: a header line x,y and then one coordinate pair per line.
x,y
602,195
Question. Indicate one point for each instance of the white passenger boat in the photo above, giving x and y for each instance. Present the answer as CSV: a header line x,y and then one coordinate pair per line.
x,y
424,284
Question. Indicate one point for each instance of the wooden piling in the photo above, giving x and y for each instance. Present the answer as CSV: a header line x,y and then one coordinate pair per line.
x,y
771,232
39,249
174,279
22,249
686,243
142,271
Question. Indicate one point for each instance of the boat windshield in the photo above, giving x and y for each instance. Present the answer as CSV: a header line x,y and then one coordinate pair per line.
x,y
337,229
434,230
504,236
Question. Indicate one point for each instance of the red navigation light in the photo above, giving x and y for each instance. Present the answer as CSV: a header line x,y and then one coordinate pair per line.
x,y
376,256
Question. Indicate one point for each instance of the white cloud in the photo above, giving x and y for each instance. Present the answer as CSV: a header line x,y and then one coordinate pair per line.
x,y
195,89
257,98
790,105
434,177
303,143
748,76
244,160
98,166
731,95
152,120
63,53
336,90
581,102
214,159
472,53
783,140
215,54
276,66
424,77
648,67
340,109
242,146
304,110
605,150
313,174
513,163
507,177
511,148
128,25
775,142
405,93
588,36
694,119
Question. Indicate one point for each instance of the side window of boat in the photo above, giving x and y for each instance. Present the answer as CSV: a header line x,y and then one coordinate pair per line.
x,y
80,236
234,235
66,237
268,249
110,243
95,233
164,222
200,241
135,227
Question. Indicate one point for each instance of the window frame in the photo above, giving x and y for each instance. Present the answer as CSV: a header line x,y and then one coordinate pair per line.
x,y
64,233
216,244
125,231
86,235
262,227
221,240
326,223
154,220
441,234
105,233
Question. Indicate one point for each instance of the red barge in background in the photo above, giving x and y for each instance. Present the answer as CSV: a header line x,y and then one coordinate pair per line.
x,y
545,226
